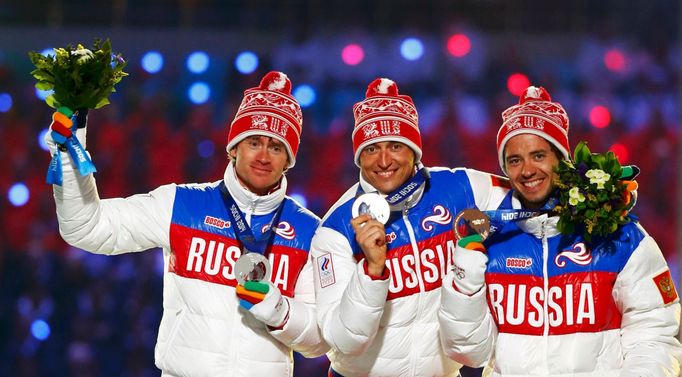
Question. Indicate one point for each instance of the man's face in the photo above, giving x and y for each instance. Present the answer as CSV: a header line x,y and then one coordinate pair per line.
x,y
260,162
387,165
530,162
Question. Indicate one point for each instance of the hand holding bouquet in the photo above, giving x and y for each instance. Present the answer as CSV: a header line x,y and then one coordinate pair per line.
x,y
80,79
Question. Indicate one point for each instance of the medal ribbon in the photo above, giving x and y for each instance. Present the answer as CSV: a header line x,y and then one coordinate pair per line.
x,y
500,217
64,126
242,229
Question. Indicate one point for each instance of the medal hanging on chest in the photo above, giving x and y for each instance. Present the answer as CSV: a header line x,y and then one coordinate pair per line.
x,y
252,265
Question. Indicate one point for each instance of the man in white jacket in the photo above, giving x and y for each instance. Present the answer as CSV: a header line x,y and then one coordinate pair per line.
x,y
534,302
201,229
378,285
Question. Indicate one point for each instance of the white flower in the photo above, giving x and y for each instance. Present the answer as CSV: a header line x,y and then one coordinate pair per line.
x,y
598,177
575,196
83,55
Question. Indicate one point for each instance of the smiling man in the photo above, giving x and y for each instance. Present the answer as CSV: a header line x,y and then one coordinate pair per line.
x,y
532,302
378,285
212,325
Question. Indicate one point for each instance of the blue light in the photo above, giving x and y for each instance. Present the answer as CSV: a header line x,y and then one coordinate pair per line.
x,y
42,94
199,92
47,52
246,62
18,194
299,198
206,148
5,102
40,329
41,139
197,62
412,49
305,95
152,62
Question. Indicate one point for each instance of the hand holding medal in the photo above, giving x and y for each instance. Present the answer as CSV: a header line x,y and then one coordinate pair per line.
x,y
80,79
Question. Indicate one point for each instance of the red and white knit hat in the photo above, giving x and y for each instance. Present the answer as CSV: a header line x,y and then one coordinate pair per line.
x,y
385,115
535,114
269,110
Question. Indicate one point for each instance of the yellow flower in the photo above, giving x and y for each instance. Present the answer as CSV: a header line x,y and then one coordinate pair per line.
x,y
598,177
575,196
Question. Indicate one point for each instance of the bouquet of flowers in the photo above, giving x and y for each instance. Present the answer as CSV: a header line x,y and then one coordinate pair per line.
x,y
592,195
81,78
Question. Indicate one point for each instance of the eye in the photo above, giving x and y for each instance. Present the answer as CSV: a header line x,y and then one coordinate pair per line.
x,y
513,161
539,156
370,149
396,147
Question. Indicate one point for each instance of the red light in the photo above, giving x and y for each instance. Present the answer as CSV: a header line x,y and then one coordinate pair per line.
x,y
614,60
600,116
621,152
459,45
517,83
352,54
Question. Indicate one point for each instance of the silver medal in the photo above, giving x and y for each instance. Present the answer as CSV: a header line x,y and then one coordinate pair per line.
x,y
374,205
252,267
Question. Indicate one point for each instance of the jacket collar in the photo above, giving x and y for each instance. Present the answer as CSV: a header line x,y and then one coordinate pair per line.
x,y
538,225
249,202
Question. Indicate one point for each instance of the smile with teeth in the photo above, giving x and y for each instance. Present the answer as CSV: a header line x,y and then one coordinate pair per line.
x,y
385,174
533,183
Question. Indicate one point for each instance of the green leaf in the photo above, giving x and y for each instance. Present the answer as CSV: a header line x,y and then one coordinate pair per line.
x,y
581,153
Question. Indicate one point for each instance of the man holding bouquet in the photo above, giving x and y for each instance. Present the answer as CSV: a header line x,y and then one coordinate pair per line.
x,y
217,321
531,301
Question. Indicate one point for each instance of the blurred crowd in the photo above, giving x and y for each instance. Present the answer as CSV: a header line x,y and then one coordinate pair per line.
x,y
102,313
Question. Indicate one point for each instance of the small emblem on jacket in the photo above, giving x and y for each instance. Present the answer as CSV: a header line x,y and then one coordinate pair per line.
x,y
390,237
216,222
441,215
578,254
326,270
666,288
284,230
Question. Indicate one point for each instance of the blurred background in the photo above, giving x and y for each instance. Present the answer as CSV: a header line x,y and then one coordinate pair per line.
x,y
614,65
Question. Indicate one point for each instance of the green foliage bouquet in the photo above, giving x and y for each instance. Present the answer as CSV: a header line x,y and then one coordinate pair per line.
x,y
81,78
592,195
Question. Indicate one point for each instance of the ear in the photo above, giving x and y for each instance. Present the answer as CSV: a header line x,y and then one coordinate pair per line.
x,y
232,152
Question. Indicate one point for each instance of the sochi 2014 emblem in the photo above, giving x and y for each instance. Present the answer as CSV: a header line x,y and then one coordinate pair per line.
x,y
578,254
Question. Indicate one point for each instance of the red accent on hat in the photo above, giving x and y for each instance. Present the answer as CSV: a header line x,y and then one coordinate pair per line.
x,y
535,114
269,110
385,115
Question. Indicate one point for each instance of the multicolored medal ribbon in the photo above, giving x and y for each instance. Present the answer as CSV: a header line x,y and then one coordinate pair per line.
x,y
64,126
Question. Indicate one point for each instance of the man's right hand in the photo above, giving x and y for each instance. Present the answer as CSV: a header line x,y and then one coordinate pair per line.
x,y
371,236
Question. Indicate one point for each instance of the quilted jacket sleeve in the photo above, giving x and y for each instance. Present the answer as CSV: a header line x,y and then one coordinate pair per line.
x,y
646,297
349,303
467,329
301,332
110,226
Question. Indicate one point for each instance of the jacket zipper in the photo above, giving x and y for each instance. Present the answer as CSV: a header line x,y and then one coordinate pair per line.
x,y
417,267
545,282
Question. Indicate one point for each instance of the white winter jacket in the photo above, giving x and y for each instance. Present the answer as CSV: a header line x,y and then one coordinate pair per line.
x,y
204,331
556,305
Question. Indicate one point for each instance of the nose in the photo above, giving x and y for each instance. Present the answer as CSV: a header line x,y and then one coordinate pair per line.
x,y
384,160
263,155
527,170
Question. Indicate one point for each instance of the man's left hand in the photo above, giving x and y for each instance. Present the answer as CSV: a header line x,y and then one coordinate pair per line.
x,y
265,302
